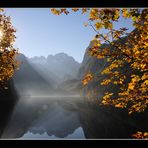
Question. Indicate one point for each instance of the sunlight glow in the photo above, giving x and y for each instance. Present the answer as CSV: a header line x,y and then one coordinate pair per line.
x,y
1,34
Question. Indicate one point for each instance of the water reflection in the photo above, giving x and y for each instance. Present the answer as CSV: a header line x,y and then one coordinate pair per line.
x,y
70,117
8,99
54,116
77,134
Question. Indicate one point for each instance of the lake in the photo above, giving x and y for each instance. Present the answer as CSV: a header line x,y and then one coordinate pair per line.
x,y
72,117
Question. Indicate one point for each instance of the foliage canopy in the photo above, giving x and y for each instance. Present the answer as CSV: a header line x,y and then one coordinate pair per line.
x,y
128,62
8,64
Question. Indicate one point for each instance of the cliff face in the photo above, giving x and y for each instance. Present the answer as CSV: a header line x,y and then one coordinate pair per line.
x,y
28,81
96,66
59,67
60,70
91,64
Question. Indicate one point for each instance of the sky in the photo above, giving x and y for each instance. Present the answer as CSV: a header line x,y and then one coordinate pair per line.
x,y
40,33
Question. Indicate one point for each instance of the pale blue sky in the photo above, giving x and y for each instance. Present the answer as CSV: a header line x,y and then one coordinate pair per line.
x,y
40,33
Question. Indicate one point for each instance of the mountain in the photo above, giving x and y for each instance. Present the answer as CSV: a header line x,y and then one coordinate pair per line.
x,y
71,87
91,64
96,66
28,81
63,64
40,76
59,67
43,70
38,60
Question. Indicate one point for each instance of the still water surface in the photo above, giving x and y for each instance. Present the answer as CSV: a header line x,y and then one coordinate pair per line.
x,y
68,118
46,118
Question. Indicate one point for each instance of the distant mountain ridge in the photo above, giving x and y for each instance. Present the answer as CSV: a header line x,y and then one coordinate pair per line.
x,y
60,66
37,59
28,81
40,76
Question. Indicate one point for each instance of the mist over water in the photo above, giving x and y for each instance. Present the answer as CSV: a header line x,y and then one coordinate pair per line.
x,y
55,117
51,107
44,107
68,118
54,76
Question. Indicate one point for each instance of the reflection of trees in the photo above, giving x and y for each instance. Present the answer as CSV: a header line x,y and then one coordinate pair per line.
x,y
62,117
54,117
8,100
107,122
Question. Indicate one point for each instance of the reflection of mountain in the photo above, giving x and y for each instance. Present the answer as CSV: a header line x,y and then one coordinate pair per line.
x,y
77,134
38,115
28,81
60,117
59,121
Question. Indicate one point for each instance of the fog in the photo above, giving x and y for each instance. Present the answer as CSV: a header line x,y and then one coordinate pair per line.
x,y
55,118
54,76
50,106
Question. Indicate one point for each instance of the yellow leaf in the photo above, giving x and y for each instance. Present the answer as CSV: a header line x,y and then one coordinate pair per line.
x,y
98,25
